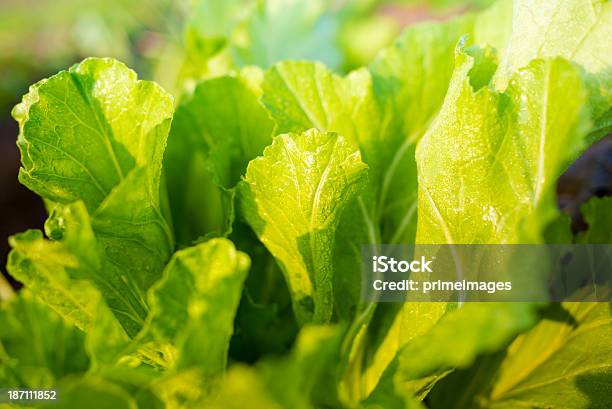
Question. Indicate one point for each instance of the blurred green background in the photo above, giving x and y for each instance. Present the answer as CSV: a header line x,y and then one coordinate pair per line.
x,y
176,43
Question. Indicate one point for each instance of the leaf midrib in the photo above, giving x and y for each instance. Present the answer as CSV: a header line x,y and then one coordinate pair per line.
x,y
100,130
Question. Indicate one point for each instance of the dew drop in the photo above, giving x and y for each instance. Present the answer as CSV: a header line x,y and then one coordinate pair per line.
x,y
309,159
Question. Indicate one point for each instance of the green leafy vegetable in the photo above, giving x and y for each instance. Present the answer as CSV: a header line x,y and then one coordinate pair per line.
x,y
66,274
193,335
294,381
293,197
208,254
597,214
475,329
289,29
577,30
509,150
60,349
546,367
217,130
562,372
97,135
209,278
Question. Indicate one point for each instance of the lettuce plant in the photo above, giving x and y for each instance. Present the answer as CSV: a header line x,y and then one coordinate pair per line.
x,y
205,252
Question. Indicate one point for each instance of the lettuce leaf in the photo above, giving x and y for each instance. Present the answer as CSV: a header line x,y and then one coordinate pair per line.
x,y
296,213
549,366
508,151
545,367
96,135
217,130
299,380
71,276
60,348
475,329
577,30
191,321
597,215
208,279
288,29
